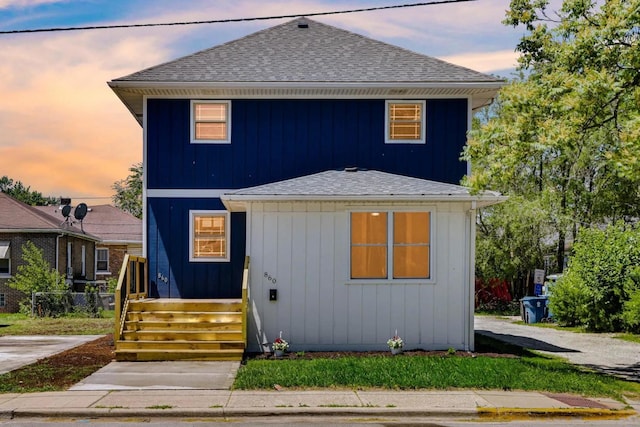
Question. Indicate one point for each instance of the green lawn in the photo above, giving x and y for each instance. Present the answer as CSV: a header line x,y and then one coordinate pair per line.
x,y
527,371
20,324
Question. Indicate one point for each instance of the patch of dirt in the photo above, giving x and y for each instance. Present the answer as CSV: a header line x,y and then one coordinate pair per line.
x,y
97,352
408,353
62,370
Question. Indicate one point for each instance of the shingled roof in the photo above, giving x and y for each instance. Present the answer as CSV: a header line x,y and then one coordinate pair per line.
x,y
304,53
18,217
110,224
358,185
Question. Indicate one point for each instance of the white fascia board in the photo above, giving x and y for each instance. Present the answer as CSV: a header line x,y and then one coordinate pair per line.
x,y
50,231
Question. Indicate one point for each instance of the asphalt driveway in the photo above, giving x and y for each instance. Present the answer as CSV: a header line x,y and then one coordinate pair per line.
x,y
598,351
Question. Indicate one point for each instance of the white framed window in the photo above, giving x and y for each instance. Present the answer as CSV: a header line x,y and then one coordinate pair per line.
x,y
209,236
3,300
102,260
405,122
390,245
210,122
5,259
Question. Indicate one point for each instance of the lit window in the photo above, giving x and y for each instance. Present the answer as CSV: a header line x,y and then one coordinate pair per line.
x,y
405,122
209,231
210,122
369,245
102,259
408,257
5,258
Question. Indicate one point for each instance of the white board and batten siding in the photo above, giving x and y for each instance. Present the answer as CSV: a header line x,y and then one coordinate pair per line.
x,y
302,250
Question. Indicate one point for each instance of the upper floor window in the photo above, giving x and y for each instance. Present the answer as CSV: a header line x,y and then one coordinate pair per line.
x,y
209,235
211,122
390,245
405,122
102,260
5,258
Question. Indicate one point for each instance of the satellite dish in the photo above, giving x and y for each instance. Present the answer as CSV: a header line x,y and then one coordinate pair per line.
x,y
81,211
66,211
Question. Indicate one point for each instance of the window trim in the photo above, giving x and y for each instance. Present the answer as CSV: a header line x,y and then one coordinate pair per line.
x,y
227,232
423,120
7,256
192,121
98,271
390,230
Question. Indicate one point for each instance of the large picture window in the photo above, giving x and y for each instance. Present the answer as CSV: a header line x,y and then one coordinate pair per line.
x,y
405,122
209,232
390,245
210,122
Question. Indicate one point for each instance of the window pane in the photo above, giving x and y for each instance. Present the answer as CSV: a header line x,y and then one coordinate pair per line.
x,y
411,262
368,228
411,227
211,112
4,266
207,130
405,111
368,262
209,236
405,131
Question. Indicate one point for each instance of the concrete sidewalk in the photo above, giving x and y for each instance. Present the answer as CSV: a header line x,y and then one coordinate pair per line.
x,y
227,403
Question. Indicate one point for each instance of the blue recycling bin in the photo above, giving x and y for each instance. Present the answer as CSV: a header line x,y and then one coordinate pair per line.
x,y
533,309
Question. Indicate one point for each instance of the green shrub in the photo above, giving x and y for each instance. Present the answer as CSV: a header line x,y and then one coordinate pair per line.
x,y
600,279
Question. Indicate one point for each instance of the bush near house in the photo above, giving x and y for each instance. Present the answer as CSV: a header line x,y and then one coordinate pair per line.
x,y
36,275
601,288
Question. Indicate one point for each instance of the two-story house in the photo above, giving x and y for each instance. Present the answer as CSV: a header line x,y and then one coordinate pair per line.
x,y
333,161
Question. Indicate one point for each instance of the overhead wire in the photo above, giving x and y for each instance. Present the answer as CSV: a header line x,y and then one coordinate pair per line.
x,y
221,21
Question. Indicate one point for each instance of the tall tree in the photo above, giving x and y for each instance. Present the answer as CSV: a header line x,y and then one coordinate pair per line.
x,y
17,190
128,195
568,134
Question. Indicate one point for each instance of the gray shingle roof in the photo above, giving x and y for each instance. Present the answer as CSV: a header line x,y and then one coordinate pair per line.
x,y
319,53
357,185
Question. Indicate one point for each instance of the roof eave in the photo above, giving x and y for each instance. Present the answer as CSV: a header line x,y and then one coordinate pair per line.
x,y
132,92
50,231
238,202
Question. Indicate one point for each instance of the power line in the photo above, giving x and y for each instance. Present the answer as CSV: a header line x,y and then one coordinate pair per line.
x,y
220,21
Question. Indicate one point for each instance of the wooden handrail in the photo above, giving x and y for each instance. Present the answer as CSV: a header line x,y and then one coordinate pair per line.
x,y
132,284
245,299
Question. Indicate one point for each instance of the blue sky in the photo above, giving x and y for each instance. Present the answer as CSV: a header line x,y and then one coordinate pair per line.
x,y
63,131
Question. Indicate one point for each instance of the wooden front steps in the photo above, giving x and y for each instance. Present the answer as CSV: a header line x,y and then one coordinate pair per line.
x,y
176,329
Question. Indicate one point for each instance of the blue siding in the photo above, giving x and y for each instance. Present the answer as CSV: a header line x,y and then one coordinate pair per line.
x,y
274,140
168,238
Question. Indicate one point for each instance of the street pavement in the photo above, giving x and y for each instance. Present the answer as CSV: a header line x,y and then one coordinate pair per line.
x,y
203,389
598,351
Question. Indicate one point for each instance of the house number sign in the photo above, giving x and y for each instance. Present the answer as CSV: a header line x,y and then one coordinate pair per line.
x,y
269,278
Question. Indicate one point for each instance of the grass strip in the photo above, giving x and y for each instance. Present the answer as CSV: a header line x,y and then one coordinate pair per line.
x,y
429,372
19,324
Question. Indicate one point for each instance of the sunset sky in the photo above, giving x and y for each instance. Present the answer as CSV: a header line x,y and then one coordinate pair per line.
x,y
63,132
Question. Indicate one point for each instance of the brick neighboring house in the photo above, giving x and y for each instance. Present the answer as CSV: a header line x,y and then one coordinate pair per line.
x,y
66,247
119,232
